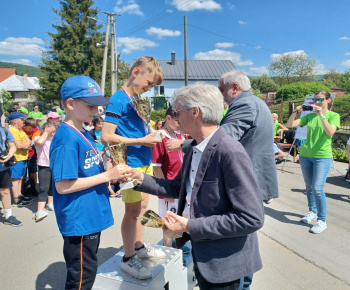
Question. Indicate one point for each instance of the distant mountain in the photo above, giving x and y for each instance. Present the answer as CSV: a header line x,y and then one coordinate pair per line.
x,y
21,69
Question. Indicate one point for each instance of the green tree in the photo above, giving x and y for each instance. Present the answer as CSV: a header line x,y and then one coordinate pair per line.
x,y
71,50
6,97
343,81
299,90
263,83
293,67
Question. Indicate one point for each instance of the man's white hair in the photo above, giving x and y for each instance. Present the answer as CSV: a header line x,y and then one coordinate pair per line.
x,y
236,77
203,96
274,114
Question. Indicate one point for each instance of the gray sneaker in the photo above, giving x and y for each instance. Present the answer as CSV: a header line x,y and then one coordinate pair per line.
x,y
150,252
40,215
309,216
136,268
49,207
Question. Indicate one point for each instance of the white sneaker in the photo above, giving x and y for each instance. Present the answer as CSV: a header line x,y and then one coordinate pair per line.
x,y
150,252
135,268
309,216
40,215
318,227
49,207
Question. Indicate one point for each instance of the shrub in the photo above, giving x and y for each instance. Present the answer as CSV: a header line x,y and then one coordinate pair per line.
x,y
299,90
160,114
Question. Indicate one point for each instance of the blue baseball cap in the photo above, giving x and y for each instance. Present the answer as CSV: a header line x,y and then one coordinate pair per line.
x,y
85,88
16,115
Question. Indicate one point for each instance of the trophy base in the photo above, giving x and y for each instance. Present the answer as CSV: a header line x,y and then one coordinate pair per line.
x,y
128,185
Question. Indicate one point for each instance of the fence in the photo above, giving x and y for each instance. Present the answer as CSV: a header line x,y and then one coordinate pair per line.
x,y
160,103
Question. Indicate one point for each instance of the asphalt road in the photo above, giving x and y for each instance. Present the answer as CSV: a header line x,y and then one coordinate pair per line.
x,y
31,255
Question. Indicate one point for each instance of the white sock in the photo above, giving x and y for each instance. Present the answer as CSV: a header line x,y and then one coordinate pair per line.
x,y
8,213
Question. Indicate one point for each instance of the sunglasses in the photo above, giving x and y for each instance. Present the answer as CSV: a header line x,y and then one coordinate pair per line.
x,y
318,100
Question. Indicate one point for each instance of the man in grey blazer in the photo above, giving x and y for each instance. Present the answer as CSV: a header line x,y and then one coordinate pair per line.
x,y
220,205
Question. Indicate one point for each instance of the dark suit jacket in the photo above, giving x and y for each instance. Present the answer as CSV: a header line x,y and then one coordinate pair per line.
x,y
226,209
249,121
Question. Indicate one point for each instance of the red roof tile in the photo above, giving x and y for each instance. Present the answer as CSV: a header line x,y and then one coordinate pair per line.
x,y
6,73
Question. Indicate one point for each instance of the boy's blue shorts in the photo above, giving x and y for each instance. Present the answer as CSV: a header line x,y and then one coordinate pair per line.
x,y
19,170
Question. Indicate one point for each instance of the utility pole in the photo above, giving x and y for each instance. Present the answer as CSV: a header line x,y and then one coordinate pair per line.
x,y
185,41
105,55
113,68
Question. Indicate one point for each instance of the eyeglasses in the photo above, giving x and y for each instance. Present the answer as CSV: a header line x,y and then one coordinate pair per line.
x,y
176,112
318,100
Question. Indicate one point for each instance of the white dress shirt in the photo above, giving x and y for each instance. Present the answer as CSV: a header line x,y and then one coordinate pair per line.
x,y
196,158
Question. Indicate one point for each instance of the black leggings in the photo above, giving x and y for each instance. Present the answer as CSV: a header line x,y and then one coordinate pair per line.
x,y
45,183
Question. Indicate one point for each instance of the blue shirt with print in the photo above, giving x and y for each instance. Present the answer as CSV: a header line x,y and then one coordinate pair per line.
x,y
129,124
3,140
82,212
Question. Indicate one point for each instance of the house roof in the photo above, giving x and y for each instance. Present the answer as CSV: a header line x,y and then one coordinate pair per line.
x,y
197,69
6,73
17,83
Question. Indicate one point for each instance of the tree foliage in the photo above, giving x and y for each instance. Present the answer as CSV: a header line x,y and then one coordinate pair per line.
x,y
299,90
263,83
293,67
343,81
6,97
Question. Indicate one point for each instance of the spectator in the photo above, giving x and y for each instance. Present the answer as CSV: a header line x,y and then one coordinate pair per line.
x,y
97,122
5,175
15,106
279,154
316,156
42,144
278,127
53,117
19,170
22,109
36,114
159,124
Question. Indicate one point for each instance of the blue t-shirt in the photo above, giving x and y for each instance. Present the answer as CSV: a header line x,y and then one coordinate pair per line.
x,y
83,212
122,113
99,145
3,141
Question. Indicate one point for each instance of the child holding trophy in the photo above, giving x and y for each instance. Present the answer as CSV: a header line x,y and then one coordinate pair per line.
x,y
80,193
125,122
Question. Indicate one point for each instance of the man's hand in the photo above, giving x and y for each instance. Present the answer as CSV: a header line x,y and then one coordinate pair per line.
x,y
6,158
174,144
119,172
150,141
175,224
135,174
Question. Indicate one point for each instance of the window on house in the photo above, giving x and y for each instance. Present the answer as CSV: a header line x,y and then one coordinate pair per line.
x,y
158,90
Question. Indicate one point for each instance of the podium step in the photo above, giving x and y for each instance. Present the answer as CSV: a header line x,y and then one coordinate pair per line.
x,y
168,273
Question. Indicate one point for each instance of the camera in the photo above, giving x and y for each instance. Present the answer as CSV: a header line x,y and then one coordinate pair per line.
x,y
308,108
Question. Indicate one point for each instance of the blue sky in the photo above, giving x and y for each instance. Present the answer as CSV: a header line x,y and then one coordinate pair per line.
x,y
249,33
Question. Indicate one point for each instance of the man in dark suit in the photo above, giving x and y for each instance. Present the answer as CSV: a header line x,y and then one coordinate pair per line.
x,y
220,205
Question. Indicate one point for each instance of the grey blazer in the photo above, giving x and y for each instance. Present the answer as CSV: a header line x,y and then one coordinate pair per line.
x,y
226,209
249,120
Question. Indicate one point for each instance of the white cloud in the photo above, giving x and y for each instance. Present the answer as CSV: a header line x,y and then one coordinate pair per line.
x,y
258,47
346,63
275,55
320,70
189,5
21,46
260,70
218,54
160,33
344,38
21,61
131,8
131,44
224,44
347,53
242,22
230,6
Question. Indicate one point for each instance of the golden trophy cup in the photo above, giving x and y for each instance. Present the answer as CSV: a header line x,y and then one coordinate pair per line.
x,y
118,154
152,220
143,109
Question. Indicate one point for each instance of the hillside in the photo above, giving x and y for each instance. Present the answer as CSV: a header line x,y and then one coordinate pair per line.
x,y
32,71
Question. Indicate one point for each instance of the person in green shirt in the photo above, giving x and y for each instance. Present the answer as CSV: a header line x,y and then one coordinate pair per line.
x,y
277,126
316,155
23,110
36,114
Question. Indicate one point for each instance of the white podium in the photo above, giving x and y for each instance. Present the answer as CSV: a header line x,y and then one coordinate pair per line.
x,y
168,273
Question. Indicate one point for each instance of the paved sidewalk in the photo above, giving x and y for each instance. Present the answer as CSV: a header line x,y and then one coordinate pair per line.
x,y
31,256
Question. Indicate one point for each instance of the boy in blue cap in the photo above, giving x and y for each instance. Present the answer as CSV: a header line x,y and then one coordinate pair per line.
x,y
80,194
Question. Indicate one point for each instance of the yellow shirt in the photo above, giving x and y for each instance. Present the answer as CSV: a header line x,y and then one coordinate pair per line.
x,y
20,135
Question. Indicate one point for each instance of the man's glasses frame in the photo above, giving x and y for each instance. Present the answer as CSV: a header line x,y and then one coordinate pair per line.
x,y
176,112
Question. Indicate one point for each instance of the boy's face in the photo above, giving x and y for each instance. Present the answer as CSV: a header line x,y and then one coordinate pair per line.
x,y
143,82
83,111
18,122
98,126
172,123
28,128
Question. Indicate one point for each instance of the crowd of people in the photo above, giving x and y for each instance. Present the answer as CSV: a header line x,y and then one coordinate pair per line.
x,y
212,169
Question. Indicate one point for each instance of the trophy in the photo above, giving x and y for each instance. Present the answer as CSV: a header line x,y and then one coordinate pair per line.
x,y
118,154
152,220
143,109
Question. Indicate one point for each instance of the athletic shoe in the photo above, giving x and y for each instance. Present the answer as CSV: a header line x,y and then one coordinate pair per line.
x,y
150,252
185,250
309,216
347,176
318,227
49,207
267,201
25,198
22,202
135,268
40,215
12,221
